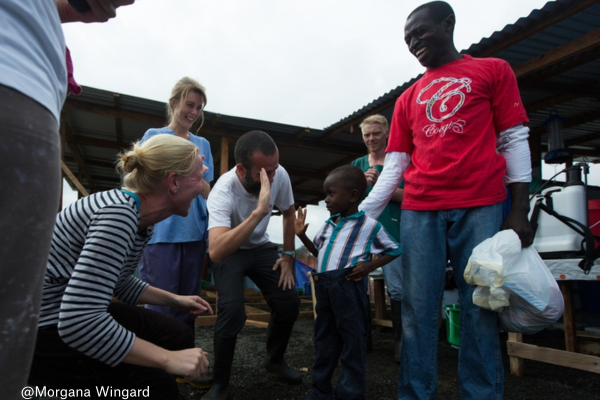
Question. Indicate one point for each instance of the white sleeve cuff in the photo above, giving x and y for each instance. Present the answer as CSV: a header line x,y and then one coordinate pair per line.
x,y
393,171
512,144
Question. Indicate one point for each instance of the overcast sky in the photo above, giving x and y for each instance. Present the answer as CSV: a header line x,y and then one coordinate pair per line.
x,y
302,62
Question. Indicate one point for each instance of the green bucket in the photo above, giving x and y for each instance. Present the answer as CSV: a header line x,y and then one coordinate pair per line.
x,y
453,324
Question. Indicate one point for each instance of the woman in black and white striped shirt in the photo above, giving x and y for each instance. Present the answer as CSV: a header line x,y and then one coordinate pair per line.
x,y
85,339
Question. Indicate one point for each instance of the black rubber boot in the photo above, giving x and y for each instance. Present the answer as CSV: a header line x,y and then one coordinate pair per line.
x,y
397,326
278,336
204,382
224,350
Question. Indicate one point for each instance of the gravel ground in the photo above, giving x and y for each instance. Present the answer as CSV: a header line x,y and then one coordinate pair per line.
x,y
250,381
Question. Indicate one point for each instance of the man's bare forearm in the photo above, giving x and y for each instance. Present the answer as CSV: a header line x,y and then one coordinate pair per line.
x,y
223,242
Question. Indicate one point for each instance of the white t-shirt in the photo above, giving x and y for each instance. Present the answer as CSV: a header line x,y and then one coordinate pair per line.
x,y
32,54
229,204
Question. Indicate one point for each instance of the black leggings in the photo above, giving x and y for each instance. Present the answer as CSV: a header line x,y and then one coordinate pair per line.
x,y
29,194
58,366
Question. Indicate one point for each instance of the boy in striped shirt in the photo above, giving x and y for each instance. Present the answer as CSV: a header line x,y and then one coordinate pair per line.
x,y
344,248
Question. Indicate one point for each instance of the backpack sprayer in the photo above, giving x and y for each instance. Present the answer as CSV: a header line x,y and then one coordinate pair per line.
x,y
562,231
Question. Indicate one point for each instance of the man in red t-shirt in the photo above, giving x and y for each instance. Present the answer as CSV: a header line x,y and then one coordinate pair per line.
x,y
457,138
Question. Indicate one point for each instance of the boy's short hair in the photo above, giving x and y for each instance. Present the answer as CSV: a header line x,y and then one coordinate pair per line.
x,y
351,177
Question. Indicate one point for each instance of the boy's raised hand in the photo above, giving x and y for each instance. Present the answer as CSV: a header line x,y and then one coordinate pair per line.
x,y
300,227
300,224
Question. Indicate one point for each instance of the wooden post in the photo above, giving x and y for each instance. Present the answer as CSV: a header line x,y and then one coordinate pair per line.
x,y
224,155
379,297
517,364
69,174
566,287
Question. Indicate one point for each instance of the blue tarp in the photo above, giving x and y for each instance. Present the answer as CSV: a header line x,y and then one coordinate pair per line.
x,y
302,272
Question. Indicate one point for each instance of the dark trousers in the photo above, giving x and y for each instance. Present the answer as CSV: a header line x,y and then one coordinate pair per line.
x,y
59,366
257,264
340,334
29,195
176,268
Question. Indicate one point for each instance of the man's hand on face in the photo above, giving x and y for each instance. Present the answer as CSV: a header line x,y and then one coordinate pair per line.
x,y
264,198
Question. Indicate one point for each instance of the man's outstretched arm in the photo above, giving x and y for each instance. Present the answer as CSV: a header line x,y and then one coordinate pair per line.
x,y
393,171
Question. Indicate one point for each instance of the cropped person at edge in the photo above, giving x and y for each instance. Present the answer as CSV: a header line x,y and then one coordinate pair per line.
x,y
33,87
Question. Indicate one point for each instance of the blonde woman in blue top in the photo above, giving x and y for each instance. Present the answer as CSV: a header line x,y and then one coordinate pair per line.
x,y
344,248
174,257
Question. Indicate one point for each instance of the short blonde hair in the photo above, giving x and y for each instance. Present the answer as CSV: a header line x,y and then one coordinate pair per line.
x,y
146,165
376,119
180,92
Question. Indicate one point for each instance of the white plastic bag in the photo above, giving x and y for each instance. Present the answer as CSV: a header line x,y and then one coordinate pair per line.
x,y
516,283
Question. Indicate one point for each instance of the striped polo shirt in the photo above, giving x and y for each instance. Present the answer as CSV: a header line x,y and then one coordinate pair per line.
x,y
353,239
96,247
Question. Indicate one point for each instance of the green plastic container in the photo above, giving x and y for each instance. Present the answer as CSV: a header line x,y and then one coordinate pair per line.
x,y
453,324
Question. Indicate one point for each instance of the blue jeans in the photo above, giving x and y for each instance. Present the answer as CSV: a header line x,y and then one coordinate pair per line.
x,y
392,273
340,334
429,239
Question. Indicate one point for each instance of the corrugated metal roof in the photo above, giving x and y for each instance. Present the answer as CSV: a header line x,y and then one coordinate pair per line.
x,y
99,124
